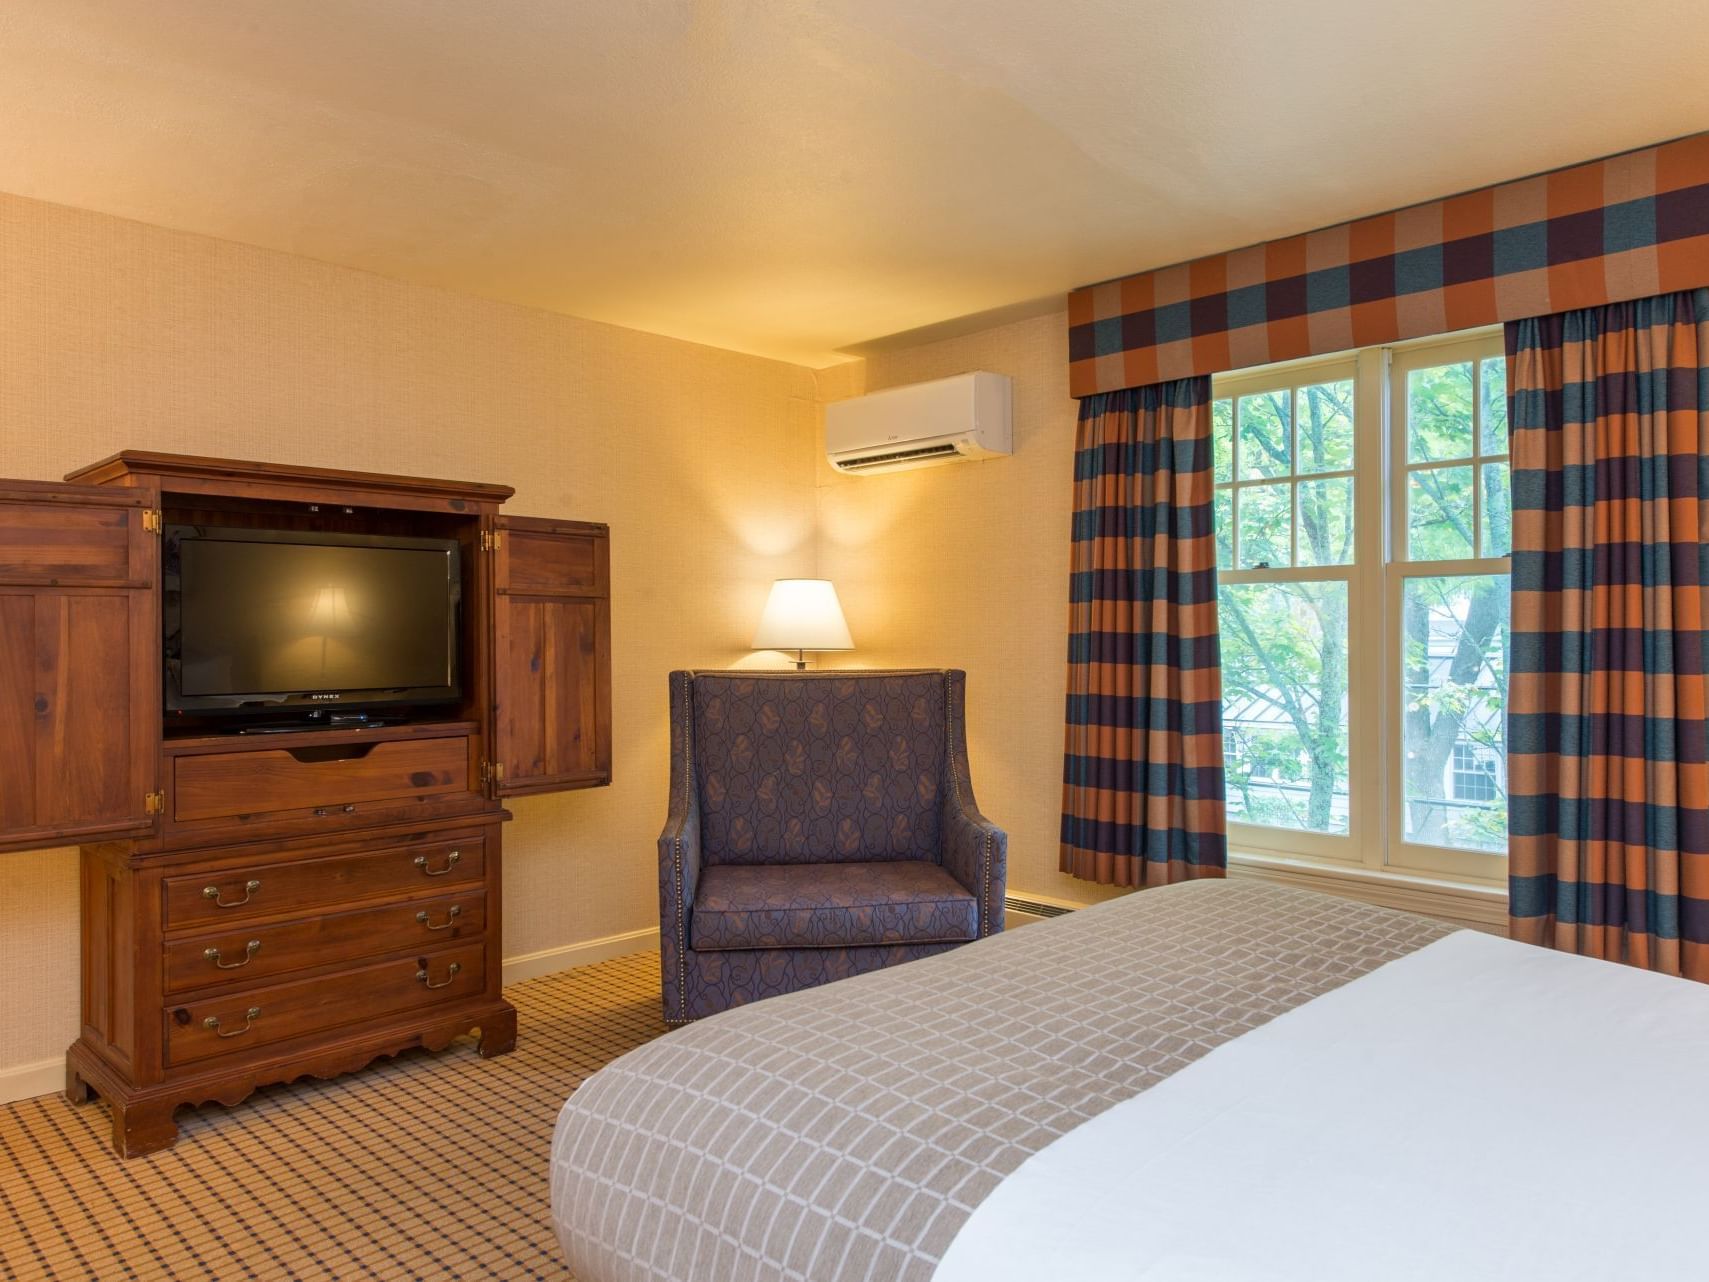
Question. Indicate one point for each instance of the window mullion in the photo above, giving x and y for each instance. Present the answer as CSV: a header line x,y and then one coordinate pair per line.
x,y
1477,459
1289,574
1294,476
1366,640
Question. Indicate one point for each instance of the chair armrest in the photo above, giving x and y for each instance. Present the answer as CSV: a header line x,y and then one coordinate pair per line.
x,y
976,854
975,850
679,878
679,854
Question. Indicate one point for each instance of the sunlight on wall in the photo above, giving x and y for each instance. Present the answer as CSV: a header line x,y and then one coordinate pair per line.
x,y
117,335
708,466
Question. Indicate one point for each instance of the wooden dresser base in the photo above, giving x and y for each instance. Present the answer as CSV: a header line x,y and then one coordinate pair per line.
x,y
259,908
209,972
143,1117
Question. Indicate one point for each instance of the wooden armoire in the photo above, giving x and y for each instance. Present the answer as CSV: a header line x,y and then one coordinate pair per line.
x,y
257,908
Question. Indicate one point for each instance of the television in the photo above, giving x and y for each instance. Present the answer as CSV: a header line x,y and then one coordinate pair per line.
x,y
260,621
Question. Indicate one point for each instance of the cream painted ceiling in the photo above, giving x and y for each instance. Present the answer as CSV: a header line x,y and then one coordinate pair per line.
x,y
792,179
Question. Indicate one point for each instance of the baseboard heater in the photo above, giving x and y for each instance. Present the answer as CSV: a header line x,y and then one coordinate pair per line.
x,y
1033,907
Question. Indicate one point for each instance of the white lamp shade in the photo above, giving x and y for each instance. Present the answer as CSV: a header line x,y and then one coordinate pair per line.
x,y
803,614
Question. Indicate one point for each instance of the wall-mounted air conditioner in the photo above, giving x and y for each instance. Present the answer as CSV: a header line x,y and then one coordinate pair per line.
x,y
965,417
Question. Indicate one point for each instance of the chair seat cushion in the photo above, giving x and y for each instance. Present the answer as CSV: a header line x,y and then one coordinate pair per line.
x,y
839,905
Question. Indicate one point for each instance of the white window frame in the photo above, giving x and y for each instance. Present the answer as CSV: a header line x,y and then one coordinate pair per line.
x,y
1373,844
1403,855
1331,848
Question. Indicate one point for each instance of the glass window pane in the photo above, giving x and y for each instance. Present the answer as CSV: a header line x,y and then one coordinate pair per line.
x,y
1497,532
1222,439
1326,427
1326,521
1494,411
1439,514
1439,413
1265,445
1264,526
1454,745
1223,518
1284,682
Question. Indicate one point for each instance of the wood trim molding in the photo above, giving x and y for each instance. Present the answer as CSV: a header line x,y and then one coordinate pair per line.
x,y
195,467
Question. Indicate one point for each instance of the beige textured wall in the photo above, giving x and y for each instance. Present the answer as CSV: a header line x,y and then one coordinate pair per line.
x,y
967,566
115,334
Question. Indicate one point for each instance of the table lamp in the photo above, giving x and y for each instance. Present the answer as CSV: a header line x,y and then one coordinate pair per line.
x,y
803,615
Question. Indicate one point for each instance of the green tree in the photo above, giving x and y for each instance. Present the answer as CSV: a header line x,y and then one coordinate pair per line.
x,y
1285,643
1467,698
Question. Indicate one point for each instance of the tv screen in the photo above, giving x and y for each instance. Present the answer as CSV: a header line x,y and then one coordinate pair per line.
x,y
258,618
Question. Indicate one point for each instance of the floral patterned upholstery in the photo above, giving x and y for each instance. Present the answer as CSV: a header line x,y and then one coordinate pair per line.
x,y
821,825
809,771
889,901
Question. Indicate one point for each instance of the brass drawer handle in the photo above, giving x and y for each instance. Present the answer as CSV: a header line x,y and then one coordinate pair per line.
x,y
450,918
450,863
212,1023
450,976
213,893
249,951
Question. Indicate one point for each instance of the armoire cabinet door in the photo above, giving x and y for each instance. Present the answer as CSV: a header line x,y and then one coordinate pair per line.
x,y
79,670
551,655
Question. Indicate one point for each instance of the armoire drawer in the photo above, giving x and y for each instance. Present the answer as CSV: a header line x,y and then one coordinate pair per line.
x,y
313,780
214,900
245,1020
251,954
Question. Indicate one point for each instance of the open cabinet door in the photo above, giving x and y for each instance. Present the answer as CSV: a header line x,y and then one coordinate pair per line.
x,y
79,665
551,655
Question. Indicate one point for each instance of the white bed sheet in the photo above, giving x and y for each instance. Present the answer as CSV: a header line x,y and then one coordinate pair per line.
x,y
1479,1109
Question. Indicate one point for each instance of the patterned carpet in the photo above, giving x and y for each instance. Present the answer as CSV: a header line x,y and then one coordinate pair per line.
x,y
427,1166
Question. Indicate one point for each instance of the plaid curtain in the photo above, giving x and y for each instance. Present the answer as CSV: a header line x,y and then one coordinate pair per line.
x,y
1608,750
1142,798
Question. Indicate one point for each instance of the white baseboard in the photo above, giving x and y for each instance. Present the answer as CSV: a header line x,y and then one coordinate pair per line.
x,y
26,1081
551,960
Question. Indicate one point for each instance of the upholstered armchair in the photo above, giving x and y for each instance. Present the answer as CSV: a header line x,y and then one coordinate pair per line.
x,y
821,825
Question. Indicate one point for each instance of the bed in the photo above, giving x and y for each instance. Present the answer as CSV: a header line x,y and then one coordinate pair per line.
x,y
995,1112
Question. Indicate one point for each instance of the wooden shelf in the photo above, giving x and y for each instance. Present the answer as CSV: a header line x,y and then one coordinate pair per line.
x,y
236,740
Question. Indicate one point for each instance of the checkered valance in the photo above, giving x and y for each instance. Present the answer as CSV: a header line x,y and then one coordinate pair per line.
x,y
1630,226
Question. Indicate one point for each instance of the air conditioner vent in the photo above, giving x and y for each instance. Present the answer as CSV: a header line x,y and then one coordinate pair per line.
x,y
961,418
900,456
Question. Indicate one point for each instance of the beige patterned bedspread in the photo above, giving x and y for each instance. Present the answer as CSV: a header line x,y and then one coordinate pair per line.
x,y
845,1134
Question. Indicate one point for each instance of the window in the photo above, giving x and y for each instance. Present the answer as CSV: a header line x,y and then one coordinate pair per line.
x,y
1285,454
1474,772
1363,527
